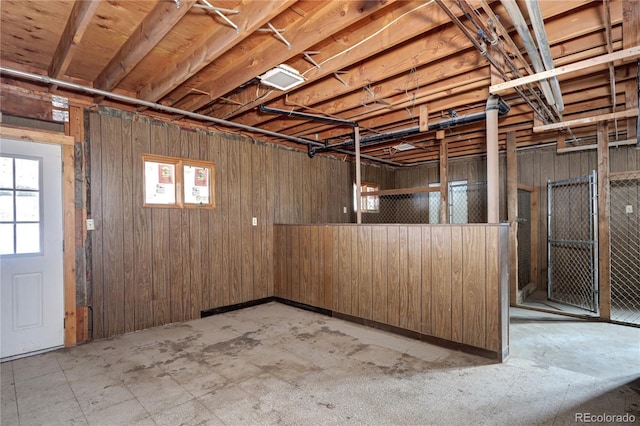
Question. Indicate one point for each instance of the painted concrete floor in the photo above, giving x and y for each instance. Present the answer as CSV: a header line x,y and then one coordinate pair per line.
x,y
276,364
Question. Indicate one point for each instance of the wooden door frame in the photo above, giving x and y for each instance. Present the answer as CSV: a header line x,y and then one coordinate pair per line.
x,y
69,217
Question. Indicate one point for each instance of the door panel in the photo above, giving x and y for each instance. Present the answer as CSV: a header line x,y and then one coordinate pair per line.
x,y
31,263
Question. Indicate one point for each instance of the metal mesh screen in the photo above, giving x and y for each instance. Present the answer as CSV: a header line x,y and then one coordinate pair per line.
x,y
467,204
625,250
524,238
572,248
402,208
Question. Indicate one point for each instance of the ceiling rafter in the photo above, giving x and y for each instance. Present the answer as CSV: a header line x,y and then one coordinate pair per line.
x,y
329,18
220,41
79,19
153,28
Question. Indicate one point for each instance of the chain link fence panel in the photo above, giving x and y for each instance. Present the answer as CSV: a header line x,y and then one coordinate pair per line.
x,y
625,248
572,245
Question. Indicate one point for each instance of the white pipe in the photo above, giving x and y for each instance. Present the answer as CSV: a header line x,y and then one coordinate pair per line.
x,y
159,107
493,182
545,50
529,44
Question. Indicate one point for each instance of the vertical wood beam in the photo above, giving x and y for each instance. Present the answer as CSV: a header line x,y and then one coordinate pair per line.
x,y
512,213
444,181
604,246
535,223
69,255
424,118
631,38
493,181
356,139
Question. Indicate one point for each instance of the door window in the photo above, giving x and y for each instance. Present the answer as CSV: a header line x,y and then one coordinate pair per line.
x,y
20,205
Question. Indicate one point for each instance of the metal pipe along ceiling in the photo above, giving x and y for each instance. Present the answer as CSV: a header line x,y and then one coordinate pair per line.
x,y
545,50
172,110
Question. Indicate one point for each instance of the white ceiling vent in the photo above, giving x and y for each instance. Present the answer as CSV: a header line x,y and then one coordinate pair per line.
x,y
404,147
282,77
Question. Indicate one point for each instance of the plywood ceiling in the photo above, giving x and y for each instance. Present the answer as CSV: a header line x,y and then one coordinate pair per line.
x,y
377,63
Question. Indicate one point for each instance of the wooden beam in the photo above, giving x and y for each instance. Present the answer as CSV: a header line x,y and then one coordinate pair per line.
x,y
222,39
408,24
512,214
595,146
327,19
35,136
632,52
633,112
424,118
604,241
153,28
444,182
74,30
69,255
630,38
535,223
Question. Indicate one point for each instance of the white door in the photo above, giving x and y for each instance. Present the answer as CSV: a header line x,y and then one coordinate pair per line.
x,y
31,259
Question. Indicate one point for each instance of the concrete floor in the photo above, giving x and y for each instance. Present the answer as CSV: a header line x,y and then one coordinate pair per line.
x,y
277,364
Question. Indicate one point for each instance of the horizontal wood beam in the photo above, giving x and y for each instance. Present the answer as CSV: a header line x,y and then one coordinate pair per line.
x,y
633,112
630,53
36,136
594,146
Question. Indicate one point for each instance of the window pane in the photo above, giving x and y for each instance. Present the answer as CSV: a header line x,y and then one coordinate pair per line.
x,y
6,238
28,238
6,172
6,206
27,206
27,174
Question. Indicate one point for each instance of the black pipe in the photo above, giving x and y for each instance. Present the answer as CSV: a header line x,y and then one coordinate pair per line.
x,y
268,110
503,108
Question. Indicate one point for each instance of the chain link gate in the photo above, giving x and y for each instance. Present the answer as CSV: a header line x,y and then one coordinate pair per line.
x,y
625,247
572,242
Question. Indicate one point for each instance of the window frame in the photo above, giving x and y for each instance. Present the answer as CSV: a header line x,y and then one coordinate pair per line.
x,y
179,200
366,187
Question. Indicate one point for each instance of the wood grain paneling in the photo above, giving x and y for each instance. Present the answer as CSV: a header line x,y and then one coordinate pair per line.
x,y
448,281
152,266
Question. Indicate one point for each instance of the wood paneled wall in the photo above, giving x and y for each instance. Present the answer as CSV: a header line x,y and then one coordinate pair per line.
x,y
446,281
152,266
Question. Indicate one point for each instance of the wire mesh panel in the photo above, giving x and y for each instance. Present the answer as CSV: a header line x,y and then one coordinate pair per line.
x,y
524,238
401,208
625,249
572,246
468,202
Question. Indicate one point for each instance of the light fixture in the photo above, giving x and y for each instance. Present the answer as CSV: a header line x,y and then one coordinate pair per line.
x,y
404,147
282,77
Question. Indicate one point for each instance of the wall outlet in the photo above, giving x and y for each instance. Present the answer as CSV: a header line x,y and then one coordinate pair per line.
x,y
91,226
344,210
254,221
628,209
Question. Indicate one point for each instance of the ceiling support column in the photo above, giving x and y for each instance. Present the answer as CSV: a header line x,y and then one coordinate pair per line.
x,y
356,141
493,182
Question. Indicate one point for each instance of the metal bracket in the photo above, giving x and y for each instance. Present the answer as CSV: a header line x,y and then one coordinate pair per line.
x,y
277,32
307,55
337,76
220,12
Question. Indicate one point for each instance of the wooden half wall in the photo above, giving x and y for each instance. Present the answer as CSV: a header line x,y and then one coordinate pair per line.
x,y
449,282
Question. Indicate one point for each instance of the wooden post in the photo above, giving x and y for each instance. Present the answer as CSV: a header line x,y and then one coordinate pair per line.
x,y
444,182
535,221
604,246
493,182
630,38
356,139
512,213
